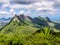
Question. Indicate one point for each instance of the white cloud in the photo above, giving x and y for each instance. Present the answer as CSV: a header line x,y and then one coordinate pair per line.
x,y
4,12
37,5
6,5
4,1
21,12
25,12
12,12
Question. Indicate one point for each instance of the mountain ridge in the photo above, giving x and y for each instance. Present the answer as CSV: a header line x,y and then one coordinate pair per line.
x,y
38,22
23,31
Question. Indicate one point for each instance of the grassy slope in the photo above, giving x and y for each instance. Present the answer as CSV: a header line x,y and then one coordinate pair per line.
x,y
18,33
16,26
22,37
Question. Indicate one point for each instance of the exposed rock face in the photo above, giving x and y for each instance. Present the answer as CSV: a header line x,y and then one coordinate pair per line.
x,y
29,20
36,20
22,16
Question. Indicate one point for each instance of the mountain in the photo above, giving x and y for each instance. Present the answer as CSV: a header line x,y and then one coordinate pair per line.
x,y
36,22
40,21
26,19
18,25
24,30
21,21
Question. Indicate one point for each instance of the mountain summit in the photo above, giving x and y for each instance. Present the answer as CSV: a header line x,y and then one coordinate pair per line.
x,y
23,20
19,24
31,21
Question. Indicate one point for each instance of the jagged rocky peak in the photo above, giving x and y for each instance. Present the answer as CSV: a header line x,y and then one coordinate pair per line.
x,y
16,18
23,17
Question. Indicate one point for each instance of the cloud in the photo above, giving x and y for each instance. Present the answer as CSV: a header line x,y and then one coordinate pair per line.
x,y
12,12
57,3
4,12
41,6
27,1
21,12
4,1
38,5
24,12
24,1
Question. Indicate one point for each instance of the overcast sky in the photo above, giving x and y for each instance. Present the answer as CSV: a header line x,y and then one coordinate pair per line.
x,y
50,8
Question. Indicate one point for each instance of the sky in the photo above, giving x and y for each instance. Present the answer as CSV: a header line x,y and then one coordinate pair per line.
x,y
33,8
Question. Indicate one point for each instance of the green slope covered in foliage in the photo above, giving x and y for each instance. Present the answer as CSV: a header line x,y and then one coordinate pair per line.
x,y
24,32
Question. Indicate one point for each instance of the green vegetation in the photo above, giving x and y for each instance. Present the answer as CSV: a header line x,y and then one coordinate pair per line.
x,y
17,32
39,37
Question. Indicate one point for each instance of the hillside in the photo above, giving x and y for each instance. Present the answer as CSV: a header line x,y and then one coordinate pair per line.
x,y
18,25
24,30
